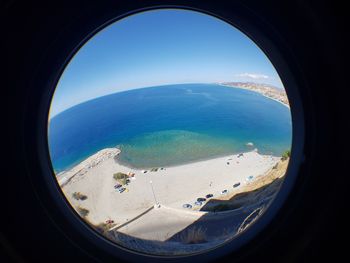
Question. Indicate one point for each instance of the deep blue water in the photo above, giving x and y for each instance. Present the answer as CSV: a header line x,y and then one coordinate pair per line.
x,y
169,125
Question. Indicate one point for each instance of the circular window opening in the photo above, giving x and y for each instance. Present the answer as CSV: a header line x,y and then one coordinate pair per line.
x,y
170,132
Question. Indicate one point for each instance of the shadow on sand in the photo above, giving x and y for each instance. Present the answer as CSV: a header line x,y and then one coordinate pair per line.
x,y
224,217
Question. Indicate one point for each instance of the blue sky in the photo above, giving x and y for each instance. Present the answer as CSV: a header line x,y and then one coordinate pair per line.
x,y
160,47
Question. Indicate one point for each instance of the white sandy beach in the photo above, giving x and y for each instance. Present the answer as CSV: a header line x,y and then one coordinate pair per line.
x,y
173,186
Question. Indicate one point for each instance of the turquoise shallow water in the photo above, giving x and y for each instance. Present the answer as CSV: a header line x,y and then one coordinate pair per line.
x,y
169,125
174,147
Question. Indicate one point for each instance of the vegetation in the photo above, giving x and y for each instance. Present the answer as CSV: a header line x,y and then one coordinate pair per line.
x,y
79,196
194,235
285,155
83,211
120,177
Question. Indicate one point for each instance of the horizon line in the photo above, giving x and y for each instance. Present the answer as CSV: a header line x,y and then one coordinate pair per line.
x,y
51,116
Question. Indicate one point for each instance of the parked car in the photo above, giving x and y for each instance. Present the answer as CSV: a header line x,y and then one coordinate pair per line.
x,y
209,196
187,206
224,192
236,185
201,199
109,221
197,203
250,177
122,189
117,186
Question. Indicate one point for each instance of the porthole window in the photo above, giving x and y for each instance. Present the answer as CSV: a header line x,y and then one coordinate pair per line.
x,y
170,133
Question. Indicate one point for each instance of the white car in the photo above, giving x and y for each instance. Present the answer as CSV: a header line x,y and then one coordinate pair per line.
x,y
249,178
197,203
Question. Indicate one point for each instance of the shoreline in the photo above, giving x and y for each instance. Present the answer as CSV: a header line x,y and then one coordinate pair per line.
x,y
82,167
262,94
195,161
252,148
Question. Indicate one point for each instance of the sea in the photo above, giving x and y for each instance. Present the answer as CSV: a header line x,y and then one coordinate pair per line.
x,y
170,125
